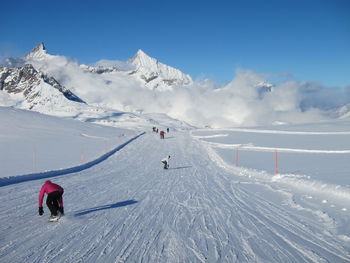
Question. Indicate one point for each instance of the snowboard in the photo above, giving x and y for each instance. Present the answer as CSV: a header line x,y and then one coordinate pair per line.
x,y
54,219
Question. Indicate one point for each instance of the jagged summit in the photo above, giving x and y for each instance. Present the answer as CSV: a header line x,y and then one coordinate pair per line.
x,y
38,52
40,47
142,59
156,74
140,52
152,73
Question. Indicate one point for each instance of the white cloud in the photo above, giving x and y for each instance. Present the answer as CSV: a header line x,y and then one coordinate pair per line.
x,y
239,103
121,65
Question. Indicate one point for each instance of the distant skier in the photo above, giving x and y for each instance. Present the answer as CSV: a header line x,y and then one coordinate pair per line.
x,y
54,200
162,134
165,161
167,130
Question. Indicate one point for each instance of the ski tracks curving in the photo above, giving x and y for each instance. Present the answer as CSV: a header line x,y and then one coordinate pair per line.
x,y
129,209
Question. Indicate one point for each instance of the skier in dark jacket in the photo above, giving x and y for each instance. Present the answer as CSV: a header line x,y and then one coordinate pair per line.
x,y
54,199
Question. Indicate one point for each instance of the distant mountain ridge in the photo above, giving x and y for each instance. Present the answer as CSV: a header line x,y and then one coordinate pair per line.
x,y
156,74
57,85
35,87
152,73
38,81
26,75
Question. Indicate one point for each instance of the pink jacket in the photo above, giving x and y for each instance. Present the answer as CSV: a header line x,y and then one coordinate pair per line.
x,y
49,187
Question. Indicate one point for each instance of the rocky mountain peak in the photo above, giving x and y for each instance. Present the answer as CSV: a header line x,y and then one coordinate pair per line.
x,y
38,52
140,53
143,60
30,82
156,74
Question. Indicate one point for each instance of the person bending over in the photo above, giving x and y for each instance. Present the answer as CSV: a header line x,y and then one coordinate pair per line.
x,y
54,200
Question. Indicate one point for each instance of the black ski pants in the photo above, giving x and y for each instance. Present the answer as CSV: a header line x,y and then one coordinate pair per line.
x,y
53,200
165,164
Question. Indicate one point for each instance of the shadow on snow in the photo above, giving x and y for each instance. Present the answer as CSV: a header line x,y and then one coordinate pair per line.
x,y
105,207
182,167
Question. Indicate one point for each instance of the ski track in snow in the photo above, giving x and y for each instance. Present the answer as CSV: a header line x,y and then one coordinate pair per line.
x,y
128,209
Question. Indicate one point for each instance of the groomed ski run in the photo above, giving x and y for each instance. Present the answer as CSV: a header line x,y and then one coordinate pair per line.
x,y
129,209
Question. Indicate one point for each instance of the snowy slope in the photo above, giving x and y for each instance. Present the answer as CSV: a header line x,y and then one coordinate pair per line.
x,y
40,142
31,142
310,162
128,209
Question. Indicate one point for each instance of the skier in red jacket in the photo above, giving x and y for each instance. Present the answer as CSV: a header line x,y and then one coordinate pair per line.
x,y
162,134
54,199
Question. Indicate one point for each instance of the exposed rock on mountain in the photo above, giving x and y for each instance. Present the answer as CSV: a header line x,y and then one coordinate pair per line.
x,y
39,52
99,70
33,87
147,70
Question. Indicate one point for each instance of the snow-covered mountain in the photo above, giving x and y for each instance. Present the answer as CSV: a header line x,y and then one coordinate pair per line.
x,y
142,84
38,82
27,88
39,52
32,89
155,74
147,70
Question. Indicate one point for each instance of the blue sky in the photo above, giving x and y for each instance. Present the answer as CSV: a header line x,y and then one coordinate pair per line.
x,y
302,39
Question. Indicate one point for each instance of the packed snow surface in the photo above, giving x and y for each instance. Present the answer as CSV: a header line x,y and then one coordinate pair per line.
x,y
33,142
127,208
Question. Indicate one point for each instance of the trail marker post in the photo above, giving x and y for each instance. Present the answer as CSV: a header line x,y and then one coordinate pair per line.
x,y
81,156
106,146
276,161
34,160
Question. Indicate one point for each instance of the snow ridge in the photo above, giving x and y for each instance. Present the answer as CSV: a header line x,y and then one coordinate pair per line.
x,y
251,147
48,174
